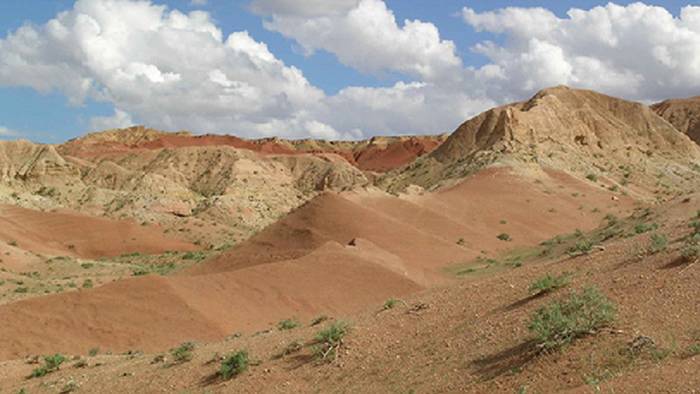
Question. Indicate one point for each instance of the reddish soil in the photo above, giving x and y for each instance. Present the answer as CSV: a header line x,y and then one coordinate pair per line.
x,y
334,255
386,155
469,336
395,155
66,233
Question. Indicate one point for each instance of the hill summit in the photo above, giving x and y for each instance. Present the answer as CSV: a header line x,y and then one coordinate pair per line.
x,y
574,130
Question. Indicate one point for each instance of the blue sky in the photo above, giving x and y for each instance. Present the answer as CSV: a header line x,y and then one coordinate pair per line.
x,y
51,117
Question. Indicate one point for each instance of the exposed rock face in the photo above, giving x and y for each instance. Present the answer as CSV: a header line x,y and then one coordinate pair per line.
x,y
684,114
578,131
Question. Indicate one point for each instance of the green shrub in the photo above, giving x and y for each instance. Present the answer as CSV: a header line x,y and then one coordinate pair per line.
x,y
642,228
390,303
582,247
690,251
234,364
329,340
658,243
548,283
692,350
51,364
196,256
87,265
93,352
504,237
182,353
592,177
560,322
21,290
87,284
287,324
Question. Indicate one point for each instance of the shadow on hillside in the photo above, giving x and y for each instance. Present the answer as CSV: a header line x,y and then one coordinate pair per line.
x,y
523,302
505,361
675,263
210,379
298,361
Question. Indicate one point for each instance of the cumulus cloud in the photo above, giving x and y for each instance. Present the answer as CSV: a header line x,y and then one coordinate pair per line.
x,y
120,119
165,68
637,51
364,34
175,70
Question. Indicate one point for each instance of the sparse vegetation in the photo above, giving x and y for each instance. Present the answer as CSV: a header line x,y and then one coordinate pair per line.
x,y
234,364
580,248
642,228
196,256
87,284
658,243
592,177
460,242
548,283
560,322
93,352
182,353
390,303
51,364
329,340
287,324
504,237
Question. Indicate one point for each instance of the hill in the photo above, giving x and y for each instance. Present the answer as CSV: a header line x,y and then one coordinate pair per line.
x,y
684,114
581,132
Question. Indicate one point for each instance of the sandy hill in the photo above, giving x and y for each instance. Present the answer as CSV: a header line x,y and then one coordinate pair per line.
x,y
469,336
238,235
684,114
334,255
577,131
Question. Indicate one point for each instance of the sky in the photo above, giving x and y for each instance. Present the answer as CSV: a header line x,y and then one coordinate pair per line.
x,y
340,69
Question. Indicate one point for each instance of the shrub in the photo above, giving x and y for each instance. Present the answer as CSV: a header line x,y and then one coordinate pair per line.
x,y
548,283
87,265
644,227
87,284
560,322
390,303
51,364
592,177
93,352
234,364
21,290
692,350
658,243
196,256
287,324
182,353
504,237
329,340
690,251
582,247
460,242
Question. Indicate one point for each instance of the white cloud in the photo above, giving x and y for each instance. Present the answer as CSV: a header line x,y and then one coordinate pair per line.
x,y
363,34
165,68
637,51
120,119
174,70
